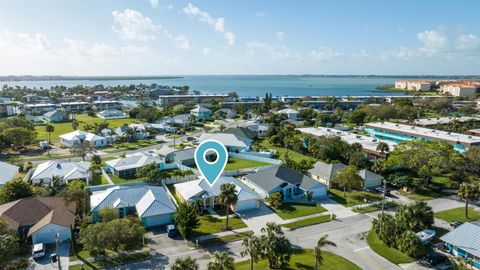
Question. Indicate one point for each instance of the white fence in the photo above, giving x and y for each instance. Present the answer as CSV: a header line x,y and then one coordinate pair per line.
x,y
255,158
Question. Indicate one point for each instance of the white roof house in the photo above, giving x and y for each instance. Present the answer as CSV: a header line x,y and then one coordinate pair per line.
x,y
8,171
112,114
67,171
201,190
133,161
77,137
231,141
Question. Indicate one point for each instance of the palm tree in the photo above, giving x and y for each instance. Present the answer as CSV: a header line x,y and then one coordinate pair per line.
x,y
277,249
55,183
74,124
49,129
468,192
185,263
253,248
228,197
222,127
383,148
221,261
322,242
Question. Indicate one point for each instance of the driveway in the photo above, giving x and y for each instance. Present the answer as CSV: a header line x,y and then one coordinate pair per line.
x,y
445,203
256,219
44,262
334,207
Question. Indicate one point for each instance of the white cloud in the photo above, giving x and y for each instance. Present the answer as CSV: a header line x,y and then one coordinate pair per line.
x,y
467,42
259,50
434,41
280,36
132,25
153,3
206,51
260,14
218,24
135,26
324,53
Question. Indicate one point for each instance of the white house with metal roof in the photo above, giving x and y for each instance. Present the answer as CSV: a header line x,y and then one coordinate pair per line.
x,y
292,184
150,203
290,113
232,142
77,137
200,190
8,171
464,242
127,166
67,171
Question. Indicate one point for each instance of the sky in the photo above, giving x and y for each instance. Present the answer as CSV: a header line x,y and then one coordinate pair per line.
x,y
213,37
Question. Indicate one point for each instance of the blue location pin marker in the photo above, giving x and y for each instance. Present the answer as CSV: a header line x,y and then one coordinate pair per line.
x,y
211,170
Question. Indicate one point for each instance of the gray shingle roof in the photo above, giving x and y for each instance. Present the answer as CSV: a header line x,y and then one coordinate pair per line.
x,y
325,170
466,237
368,175
8,172
148,200
271,178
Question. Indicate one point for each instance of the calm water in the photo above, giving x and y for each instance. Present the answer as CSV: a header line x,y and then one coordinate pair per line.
x,y
250,85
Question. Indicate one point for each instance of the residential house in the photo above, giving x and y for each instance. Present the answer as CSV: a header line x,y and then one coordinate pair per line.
x,y
171,155
150,203
66,171
38,109
232,142
200,189
78,137
226,113
181,120
8,171
41,218
325,172
290,113
201,113
106,105
290,183
75,107
464,242
36,120
260,129
241,132
112,114
127,167
55,116
138,131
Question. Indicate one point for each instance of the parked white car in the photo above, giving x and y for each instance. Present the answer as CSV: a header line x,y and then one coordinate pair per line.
x,y
38,251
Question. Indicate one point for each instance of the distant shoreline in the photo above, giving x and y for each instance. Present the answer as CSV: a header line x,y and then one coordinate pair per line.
x,y
84,78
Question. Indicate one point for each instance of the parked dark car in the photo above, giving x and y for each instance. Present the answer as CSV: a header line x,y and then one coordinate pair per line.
x,y
171,230
455,224
380,190
434,259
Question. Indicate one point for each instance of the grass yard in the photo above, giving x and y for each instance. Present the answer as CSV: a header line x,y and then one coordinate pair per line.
x,y
374,207
353,198
225,239
391,254
212,225
118,180
308,222
423,194
238,164
111,262
297,157
458,214
83,119
120,147
101,181
290,210
304,259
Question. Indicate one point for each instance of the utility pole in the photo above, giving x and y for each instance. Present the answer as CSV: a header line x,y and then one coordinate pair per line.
x,y
57,242
383,205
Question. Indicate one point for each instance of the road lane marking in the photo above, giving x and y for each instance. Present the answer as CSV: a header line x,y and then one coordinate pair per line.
x,y
360,249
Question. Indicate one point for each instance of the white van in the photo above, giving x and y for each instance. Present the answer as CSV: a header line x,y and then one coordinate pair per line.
x,y
38,250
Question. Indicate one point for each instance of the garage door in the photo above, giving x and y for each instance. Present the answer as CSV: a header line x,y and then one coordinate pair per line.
x,y
246,205
48,233
373,183
157,220
319,192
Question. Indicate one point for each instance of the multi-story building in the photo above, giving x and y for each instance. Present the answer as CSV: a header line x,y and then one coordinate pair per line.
x,y
175,99
401,133
75,107
7,109
414,85
102,105
38,109
458,89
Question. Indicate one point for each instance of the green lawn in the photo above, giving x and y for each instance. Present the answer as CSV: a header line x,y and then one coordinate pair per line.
x,y
102,181
237,164
374,207
391,254
225,239
62,128
423,194
458,214
120,147
111,262
290,210
304,259
352,198
118,180
212,225
307,222
297,157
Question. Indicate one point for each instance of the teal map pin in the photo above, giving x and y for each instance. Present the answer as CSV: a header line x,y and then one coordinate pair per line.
x,y
211,170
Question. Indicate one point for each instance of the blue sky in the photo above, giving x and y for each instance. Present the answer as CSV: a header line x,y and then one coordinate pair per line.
x,y
156,37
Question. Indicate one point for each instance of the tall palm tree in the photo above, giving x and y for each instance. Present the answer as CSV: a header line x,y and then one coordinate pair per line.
x,y
253,248
185,263
228,197
383,148
322,242
468,192
221,261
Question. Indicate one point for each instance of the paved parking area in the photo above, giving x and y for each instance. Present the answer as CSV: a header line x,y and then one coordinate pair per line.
x,y
256,219
44,262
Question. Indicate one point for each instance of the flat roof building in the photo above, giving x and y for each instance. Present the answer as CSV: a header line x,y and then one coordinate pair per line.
x,y
169,99
402,133
430,122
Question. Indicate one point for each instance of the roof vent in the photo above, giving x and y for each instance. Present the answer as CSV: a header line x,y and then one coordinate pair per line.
x,y
374,140
412,127
469,136
59,166
358,136
396,125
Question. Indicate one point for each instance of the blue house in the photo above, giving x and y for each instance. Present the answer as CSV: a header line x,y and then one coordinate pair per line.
x,y
150,203
464,242
201,113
